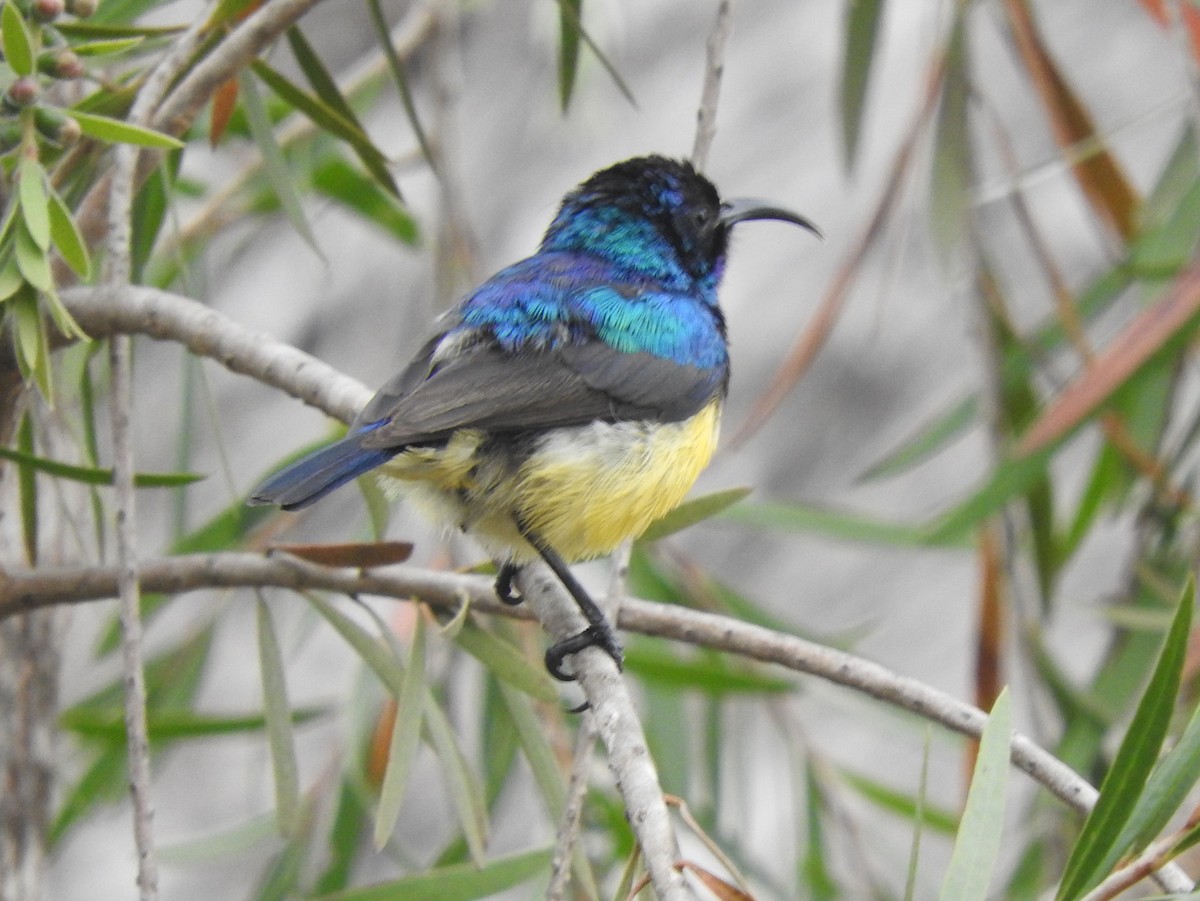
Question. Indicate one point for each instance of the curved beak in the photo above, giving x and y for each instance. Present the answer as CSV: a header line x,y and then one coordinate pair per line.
x,y
742,209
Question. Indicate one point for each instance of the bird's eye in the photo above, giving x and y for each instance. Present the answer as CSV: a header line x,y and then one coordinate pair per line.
x,y
701,218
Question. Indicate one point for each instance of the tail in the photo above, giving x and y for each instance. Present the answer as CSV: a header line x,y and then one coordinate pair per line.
x,y
311,478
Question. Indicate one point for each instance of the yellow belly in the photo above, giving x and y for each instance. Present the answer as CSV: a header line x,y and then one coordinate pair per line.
x,y
583,490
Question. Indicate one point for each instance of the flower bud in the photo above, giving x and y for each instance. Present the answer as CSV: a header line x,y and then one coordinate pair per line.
x,y
56,126
61,64
21,93
47,10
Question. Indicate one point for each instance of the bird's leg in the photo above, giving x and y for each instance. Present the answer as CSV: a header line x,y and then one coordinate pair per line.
x,y
599,632
504,583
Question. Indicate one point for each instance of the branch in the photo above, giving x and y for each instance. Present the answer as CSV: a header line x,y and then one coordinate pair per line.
x,y
117,274
714,69
29,590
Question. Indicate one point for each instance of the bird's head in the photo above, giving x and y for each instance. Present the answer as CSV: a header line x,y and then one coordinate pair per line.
x,y
658,218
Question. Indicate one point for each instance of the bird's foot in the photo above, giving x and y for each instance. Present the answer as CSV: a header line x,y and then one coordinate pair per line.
x,y
505,590
601,636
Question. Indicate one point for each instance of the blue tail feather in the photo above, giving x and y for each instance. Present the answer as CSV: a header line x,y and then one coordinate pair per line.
x,y
311,478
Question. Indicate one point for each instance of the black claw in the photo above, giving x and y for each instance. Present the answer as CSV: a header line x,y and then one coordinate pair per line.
x,y
504,584
593,636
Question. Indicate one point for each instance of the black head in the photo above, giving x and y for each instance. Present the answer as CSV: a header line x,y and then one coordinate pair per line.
x,y
656,216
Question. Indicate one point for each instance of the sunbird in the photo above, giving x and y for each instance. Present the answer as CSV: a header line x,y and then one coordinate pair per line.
x,y
574,397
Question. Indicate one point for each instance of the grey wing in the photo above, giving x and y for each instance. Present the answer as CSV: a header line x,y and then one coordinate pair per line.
x,y
488,388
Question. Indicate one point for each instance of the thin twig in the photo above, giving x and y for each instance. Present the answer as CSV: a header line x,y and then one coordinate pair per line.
x,y
568,829
620,730
714,69
118,267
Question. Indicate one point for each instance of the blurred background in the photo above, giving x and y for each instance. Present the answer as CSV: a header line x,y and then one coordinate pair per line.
x,y
997,162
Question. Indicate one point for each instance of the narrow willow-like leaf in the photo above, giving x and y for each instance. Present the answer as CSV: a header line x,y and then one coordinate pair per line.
x,y
980,831
657,665
406,738
570,13
841,525
465,791
115,131
35,212
531,733
902,804
862,27
1009,479
67,237
330,120
33,353
95,476
278,712
274,162
337,179
318,76
927,441
950,176
1096,849
374,654
505,662
17,42
164,724
693,511
1167,786
401,79
460,882
108,47
27,486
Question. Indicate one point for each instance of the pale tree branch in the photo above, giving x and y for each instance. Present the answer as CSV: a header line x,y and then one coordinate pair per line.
x,y
47,586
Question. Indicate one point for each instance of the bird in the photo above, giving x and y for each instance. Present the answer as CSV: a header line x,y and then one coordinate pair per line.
x,y
574,397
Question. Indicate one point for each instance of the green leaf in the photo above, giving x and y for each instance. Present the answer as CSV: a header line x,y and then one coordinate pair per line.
x,y
1168,785
406,737
693,511
980,832
337,179
67,237
278,711
1010,479
570,13
107,47
33,351
460,882
327,118
10,276
928,440
950,175
94,476
167,724
318,76
506,662
32,261
1097,848
862,28
116,131
274,162
27,487
397,69
465,791
31,187
840,525
887,798
655,663
16,40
